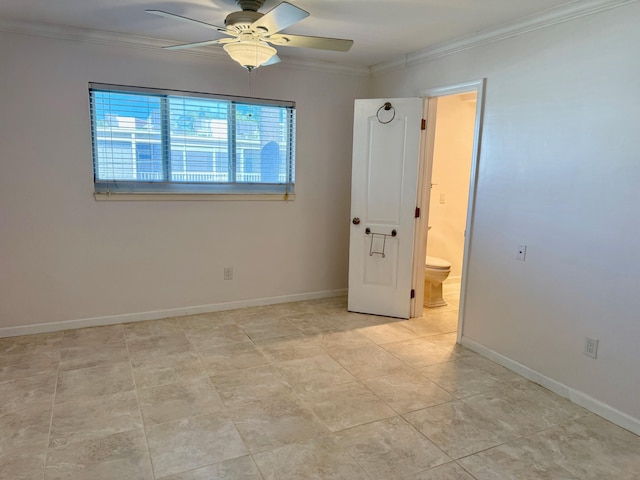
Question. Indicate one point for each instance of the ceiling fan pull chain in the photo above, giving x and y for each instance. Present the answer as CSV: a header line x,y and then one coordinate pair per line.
x,y
387,106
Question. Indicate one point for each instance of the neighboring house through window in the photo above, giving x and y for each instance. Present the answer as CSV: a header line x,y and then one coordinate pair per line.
x,y
159,141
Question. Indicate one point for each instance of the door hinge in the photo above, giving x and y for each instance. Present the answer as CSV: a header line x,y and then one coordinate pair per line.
x,y
417,212
413,293
423,125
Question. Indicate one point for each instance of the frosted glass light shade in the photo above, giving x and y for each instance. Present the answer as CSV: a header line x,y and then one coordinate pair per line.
x,y
250,53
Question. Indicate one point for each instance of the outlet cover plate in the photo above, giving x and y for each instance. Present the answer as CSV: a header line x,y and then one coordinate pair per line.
x,y
591,347
522,253
228,273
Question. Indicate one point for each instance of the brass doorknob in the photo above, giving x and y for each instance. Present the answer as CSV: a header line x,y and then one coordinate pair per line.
x,y
356,221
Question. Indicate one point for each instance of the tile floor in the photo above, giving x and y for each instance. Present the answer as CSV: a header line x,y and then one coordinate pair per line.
x,y
295,391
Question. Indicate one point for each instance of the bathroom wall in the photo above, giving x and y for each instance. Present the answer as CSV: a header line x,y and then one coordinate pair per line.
x,y
453,148
559,171
66,257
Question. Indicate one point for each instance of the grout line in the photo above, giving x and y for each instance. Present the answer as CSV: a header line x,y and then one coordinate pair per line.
x,y
53,405
135,389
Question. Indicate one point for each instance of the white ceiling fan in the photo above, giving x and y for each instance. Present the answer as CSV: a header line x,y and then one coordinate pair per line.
x,y
251,32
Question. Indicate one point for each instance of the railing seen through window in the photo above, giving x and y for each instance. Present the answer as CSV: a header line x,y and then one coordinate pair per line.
x,y
147,140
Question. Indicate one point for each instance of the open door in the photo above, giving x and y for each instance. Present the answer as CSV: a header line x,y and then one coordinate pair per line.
x,y
386,159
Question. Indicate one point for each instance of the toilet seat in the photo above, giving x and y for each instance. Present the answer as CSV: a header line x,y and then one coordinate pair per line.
x,y
436,263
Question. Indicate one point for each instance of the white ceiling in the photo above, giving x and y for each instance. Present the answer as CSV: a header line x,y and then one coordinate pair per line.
x,y
382,29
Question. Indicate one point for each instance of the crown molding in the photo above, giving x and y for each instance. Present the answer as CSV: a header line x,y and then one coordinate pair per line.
x,y
548,18
101,37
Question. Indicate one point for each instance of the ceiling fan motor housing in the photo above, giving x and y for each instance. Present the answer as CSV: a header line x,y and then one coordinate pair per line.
x,y
250,4
242,20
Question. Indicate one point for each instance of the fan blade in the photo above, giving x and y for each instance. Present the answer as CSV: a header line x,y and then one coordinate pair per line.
x,y
200,44
279,18
271,61
320,43
173,16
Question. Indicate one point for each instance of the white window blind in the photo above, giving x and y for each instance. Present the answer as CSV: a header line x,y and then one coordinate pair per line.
x,y
147,140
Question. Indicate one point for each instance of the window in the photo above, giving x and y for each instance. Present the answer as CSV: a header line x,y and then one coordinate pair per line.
x,y
159,141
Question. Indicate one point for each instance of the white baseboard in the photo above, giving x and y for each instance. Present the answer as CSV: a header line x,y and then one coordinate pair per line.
x,y
596,406
158,314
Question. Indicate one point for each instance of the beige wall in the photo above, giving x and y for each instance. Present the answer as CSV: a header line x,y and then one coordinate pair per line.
x,y
453,146
64,256
559,171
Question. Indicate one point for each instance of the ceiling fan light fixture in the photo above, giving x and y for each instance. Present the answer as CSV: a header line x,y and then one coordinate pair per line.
x,y
250,53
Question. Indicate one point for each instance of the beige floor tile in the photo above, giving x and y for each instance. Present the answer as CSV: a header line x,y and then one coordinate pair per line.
x,y
368,362
152,328
462,378
30,344
448,471
525,408
314,373
346,406
253,384
298,308
122,455
495,370
318,458
335,309
352,321
74,385
93,335
205,321
94,418
196,375
261,329
214,337
86,356
458,429
589,448
513,461
92,347
183,367
192,443
315,323
290,348
444,322
275,421
23,464
27,427
348,340
16,394
390,448
231,358
340,300
387,333
407,391
427,350
265,312
178,400
158,346
22,365
241,468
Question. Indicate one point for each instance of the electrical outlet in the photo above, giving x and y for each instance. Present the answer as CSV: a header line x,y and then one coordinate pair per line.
x,y
522,253
228,273
591,347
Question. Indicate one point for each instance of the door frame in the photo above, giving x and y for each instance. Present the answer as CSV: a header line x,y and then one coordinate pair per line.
x,y
430,96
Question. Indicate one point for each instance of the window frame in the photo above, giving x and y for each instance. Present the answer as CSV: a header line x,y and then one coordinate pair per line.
x,y
130,189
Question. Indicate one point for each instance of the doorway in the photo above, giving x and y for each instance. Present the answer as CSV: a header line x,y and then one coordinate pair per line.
x,y
447,188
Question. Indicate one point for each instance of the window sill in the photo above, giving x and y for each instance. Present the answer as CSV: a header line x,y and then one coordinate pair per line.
x,y
155,196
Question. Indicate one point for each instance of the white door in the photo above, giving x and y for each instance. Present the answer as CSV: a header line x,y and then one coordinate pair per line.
x,y
386,158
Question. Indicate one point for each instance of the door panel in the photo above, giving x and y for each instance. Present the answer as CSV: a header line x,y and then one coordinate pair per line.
x,y
383,197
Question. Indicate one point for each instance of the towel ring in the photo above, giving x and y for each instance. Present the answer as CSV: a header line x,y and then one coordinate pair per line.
x,y
387,106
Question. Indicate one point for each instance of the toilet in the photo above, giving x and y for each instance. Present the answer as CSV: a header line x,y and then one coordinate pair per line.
x,y
436,271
